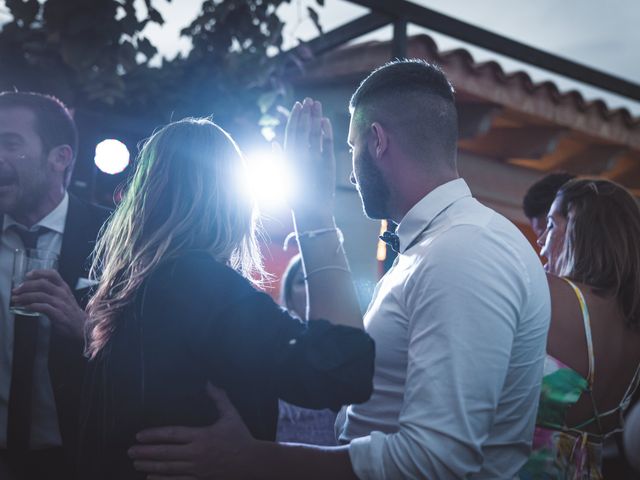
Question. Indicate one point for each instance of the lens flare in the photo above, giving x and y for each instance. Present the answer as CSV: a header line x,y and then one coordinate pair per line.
x,y
269,181
112,156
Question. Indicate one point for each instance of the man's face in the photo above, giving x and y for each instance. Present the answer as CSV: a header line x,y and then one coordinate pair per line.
x,y
24,178
366,176
552,239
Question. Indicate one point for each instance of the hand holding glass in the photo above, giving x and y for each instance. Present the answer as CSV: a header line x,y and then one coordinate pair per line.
x,y
25,261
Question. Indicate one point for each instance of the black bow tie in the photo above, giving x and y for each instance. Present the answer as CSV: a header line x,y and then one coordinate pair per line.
x,y
391,239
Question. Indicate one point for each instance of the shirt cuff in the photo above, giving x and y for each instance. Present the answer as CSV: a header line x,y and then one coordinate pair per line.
x,y
366,456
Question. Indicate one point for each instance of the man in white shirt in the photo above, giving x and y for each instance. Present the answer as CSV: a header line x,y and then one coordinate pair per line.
x,y
41,362
460,320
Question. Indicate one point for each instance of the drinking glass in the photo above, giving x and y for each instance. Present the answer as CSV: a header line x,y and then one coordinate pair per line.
x,y
24,261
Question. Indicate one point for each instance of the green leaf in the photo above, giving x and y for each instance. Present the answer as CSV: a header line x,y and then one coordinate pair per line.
x,y
156,16
94,59
127,55
26,11
146,47
129,24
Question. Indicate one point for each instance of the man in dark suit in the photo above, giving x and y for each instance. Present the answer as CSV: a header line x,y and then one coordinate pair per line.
x,y
41,358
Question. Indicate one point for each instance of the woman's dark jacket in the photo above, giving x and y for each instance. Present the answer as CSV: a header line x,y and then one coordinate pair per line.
x,y
195,320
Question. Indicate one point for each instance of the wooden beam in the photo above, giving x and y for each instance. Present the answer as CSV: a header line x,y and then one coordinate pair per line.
x,y
593,160
515,142
466,32
341,35
474,119
631,177
625,166
399,43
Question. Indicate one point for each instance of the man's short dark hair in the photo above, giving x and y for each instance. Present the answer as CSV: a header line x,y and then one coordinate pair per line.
x,y
538,199
54,123
414,98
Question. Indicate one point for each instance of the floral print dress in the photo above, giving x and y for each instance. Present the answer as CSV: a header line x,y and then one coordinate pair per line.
x,y
561,452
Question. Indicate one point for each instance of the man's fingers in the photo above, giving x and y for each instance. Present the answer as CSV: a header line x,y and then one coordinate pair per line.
x,y
38,285
52,275
327,137
40,302
163,467
43,308
35,297
164,435
315,134
301,140
292,124
219,396
160,452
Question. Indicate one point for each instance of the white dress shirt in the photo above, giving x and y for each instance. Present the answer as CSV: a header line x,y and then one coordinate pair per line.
x,y
45,431
460,324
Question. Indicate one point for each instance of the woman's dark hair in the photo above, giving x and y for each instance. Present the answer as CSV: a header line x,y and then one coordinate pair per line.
x,y
602,241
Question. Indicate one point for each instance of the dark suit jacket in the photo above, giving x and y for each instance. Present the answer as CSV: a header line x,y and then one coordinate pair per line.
x,y
66,360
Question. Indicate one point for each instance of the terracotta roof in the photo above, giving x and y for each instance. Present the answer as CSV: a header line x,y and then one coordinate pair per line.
x,y
506,116
547,88
517,92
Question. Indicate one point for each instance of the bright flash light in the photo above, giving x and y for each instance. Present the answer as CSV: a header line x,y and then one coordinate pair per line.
x,y
112,156
269,181
268,133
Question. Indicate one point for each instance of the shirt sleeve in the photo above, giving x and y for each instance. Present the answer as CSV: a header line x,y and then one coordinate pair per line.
x,y
242,332
314,364
462,310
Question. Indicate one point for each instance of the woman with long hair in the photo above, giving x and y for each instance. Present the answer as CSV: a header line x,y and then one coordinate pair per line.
x,y
177,307
592,245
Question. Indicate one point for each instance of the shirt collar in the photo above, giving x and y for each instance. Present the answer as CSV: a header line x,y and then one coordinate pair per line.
x,y
419,218
54,221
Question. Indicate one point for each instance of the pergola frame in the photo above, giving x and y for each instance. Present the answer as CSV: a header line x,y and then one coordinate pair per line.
x,y
400,13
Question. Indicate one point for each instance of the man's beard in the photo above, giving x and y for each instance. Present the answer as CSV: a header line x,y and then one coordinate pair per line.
x,y
31,192
374,192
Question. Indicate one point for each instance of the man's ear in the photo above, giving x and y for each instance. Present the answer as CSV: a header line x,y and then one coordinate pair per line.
x,y
60,158
379,140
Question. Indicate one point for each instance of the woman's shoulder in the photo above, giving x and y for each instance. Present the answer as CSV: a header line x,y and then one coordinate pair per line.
x,y
567,294
566,329
197,264
197,274
560,285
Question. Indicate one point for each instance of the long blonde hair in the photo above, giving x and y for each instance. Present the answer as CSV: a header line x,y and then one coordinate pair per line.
x,y
185,194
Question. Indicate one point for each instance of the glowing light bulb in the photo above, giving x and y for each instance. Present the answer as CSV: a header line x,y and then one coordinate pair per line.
x,y
112,156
